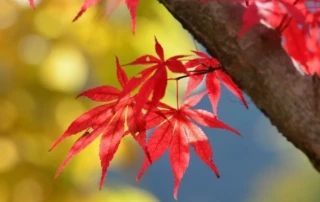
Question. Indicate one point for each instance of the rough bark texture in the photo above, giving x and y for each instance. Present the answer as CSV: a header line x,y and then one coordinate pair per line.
x,y
260,66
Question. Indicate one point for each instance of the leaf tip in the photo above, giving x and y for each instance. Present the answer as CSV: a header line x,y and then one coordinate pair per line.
x,y
80,95
138,178
79,15
237,132
175,192
57,174
53,146
103,177
245,103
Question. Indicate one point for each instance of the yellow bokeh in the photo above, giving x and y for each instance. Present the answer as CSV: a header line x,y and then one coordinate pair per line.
x,y
27,190
8,115
65,69
9,155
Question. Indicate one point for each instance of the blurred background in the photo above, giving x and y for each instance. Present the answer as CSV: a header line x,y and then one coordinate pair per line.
x,y
45,61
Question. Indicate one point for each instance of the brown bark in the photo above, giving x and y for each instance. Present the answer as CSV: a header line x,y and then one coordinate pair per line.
x,y
260,66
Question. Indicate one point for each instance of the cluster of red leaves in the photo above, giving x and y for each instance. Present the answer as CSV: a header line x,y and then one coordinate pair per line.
x,y
296,20
298,24
108,119
124,114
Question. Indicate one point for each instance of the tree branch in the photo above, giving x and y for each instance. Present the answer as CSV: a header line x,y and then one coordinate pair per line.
x,y
261,68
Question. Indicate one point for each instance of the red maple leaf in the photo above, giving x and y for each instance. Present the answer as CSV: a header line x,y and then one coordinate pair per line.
x,y
269,11
301,41
32,3
154,78
176,132
205,65
296,45
109,120
131,4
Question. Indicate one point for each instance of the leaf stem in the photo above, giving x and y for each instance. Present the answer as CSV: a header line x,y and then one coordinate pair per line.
x,y
200,72
177,93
